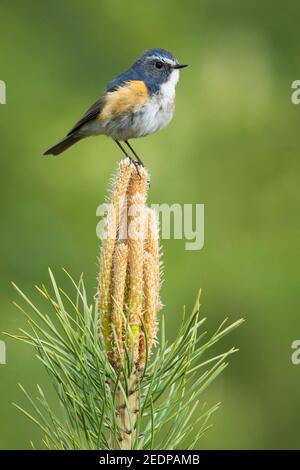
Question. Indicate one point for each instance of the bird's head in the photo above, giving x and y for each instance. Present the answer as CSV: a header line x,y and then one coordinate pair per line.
x,y
159,66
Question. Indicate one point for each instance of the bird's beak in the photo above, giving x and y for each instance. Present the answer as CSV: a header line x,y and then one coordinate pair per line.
x,y
180,66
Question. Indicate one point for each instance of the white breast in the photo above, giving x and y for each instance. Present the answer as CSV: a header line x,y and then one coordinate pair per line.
x,y
158,112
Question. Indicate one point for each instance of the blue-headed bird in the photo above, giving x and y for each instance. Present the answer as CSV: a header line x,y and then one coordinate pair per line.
x,y
137,103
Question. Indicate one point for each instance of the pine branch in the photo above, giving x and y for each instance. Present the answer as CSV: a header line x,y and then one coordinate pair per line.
x,y
116,390
91,392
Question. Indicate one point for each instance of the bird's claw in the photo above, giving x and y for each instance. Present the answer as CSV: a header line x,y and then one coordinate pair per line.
x,y
136,164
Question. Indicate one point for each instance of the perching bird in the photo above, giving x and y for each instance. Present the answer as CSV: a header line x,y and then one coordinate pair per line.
x,y
138,102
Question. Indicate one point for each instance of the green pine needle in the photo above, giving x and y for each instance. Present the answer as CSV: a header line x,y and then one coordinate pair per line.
x,y
67,343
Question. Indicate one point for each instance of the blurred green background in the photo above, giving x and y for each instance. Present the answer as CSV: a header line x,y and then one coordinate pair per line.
x,y
233,145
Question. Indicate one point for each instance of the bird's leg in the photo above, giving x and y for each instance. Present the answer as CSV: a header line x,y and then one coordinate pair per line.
x,y
134,153
123,150
135,163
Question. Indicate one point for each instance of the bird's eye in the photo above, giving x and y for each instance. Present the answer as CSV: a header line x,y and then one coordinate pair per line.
x,y
158,64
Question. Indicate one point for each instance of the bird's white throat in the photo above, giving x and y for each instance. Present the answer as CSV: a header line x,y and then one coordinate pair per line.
x,y
167,89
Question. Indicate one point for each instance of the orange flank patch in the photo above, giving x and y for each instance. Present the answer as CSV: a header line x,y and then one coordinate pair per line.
x,y
123,99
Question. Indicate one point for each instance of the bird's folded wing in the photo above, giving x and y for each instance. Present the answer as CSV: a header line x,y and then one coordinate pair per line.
x,y
117,100
90,114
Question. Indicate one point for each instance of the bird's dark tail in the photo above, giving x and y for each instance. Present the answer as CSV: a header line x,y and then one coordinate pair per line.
x,y
63,144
